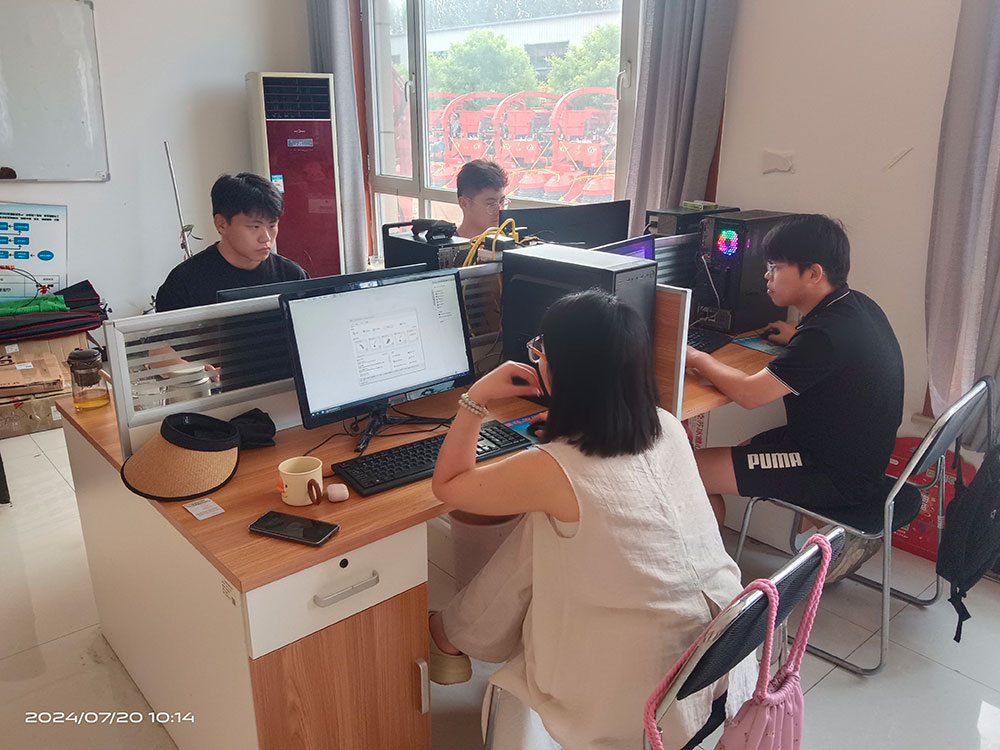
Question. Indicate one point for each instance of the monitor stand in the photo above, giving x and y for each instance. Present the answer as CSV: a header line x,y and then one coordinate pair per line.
x,y
379,418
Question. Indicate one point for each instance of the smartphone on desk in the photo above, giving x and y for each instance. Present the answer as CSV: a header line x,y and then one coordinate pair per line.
x,y
294,528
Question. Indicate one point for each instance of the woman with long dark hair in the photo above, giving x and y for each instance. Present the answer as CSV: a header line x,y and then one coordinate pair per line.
x,y
618,565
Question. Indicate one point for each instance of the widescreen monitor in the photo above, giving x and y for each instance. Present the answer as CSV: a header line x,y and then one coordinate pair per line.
x,y
360,351
331,283
580,224
636,247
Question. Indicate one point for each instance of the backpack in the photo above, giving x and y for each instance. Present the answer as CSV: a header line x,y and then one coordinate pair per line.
x,y
970,542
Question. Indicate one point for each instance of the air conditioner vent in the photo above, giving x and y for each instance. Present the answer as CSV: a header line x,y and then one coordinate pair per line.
x,y
296,98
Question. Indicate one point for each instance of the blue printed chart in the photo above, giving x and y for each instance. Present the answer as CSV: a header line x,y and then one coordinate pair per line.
x,y
32,240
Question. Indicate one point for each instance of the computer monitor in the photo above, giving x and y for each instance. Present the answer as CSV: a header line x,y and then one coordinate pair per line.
x,y
360,351
581,224
330,283
636,247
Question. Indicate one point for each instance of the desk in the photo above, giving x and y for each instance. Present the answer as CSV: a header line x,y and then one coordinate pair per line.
x,y
700,396
212,620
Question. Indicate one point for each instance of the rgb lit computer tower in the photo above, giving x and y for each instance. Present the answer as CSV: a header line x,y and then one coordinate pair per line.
x,y
730,292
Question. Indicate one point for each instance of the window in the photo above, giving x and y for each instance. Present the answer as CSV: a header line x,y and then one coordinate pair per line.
x,y
536,87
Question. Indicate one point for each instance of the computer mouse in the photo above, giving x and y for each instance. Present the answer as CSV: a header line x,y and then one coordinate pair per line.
x,y
518,380
535,427
768,332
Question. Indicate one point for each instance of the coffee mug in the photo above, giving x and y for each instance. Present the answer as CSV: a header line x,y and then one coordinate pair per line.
x,y
300,480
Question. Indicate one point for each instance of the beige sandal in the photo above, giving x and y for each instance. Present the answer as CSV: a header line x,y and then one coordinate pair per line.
x,y
448,669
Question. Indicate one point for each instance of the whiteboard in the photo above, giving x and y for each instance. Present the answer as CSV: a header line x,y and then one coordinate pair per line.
x,y
51,116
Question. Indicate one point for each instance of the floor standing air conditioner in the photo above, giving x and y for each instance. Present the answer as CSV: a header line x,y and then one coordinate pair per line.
x,y
293,139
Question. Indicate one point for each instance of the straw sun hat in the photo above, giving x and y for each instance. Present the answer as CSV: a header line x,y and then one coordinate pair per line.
x,y
193,455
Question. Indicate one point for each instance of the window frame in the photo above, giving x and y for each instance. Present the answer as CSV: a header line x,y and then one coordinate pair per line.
x,y
415,186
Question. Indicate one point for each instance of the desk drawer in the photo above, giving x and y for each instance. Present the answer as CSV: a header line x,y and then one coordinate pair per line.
x,y
294,607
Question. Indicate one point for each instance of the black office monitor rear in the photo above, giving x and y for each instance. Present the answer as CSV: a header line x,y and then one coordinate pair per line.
x,y
335,283
580,225
237,364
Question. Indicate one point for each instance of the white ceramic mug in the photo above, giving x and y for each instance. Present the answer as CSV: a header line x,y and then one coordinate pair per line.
x,y
300,480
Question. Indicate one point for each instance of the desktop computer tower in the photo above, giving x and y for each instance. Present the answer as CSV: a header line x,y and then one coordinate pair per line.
x,y
534,277
674,220
427,242
678,241
730,292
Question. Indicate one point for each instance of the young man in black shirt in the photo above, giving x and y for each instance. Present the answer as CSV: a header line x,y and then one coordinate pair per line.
x,y
840,374
246,209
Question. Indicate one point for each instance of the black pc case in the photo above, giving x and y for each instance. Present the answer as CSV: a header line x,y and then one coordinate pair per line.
x,y
732,266
673,220
438,249
534,277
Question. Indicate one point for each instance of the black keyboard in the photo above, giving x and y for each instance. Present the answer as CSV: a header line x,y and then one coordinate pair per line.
x,y
707,340
403,464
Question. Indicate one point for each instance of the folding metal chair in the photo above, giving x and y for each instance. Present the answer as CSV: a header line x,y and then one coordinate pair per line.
x,y
740,628
902,503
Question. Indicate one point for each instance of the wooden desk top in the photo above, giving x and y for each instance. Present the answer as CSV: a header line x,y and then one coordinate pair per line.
x,y
249,560
700,396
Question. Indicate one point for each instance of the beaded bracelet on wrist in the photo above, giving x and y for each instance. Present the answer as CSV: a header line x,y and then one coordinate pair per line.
x,y
469,405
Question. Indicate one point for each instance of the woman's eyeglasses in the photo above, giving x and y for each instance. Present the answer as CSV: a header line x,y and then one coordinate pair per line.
x,y
536,349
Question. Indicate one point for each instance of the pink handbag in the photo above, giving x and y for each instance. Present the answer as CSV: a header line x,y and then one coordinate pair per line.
x,y
772,718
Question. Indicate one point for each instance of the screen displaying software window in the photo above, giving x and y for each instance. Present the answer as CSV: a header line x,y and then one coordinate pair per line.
x,y
370,344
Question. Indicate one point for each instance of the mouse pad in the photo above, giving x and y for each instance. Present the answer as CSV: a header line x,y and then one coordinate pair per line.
x,y
754,342
520,426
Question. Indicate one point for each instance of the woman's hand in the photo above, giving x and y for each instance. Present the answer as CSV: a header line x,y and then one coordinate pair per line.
x,y
509,379
539,419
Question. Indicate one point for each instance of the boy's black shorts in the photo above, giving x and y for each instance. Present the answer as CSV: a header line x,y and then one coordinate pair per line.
x,y
772,466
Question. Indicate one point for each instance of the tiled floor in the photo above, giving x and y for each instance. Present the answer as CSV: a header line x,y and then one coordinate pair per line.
x,y
933,694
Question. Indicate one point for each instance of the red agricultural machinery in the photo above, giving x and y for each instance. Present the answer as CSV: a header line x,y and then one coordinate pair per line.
x,y
554,148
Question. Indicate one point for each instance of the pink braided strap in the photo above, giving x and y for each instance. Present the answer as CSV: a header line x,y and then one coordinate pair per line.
x,y
649,710
805,624
764,673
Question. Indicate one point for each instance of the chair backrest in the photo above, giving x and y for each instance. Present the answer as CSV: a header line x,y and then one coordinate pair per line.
x,y
950,425
740,628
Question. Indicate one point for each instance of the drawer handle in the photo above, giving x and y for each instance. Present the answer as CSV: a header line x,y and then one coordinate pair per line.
x,y
425,686
326,601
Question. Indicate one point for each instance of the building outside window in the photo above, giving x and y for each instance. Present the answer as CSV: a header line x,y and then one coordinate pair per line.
x,y
543,90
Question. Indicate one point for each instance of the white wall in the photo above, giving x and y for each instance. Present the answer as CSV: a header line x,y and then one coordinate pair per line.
x,y
847,85
170,71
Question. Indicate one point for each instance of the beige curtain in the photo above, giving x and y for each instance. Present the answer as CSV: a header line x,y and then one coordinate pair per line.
x,y
331,51
684,59
963,263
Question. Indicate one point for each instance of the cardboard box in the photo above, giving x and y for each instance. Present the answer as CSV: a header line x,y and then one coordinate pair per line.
x,y
27,377
60,347
22,415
